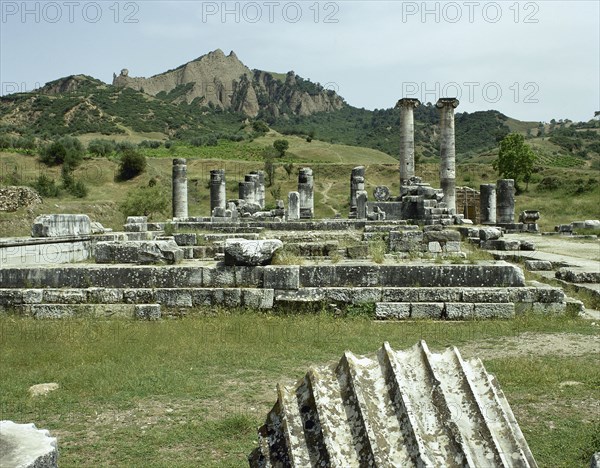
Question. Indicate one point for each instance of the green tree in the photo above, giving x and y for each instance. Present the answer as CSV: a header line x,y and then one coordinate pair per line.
x,y
515,159
281,146
145,201
132,164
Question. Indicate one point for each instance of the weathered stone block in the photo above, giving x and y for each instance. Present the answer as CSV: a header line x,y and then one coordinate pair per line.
x,y
32,296
494,310
174,297
257,298
434,247
438,294
202,297
400,295
353,295
147,311
459,310
452,247
392,310
538,265
64,296
250,252
57,225
490,233
185,239
232,297
432,310
445,235
105,295
282,277
358,251
485,295
138,296
50,311
549,308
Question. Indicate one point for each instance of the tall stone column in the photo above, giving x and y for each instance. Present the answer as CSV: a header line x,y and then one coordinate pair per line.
x,y
180,200
247,191
254,178
218,192
487,203
361,204
260,188
357,182
293,212
448,151
407,138
505,201
306,191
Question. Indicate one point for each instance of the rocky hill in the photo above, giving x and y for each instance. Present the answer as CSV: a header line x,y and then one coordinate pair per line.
x,y
226,83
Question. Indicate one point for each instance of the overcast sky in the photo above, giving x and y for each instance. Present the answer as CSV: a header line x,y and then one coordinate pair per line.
x,y
530,60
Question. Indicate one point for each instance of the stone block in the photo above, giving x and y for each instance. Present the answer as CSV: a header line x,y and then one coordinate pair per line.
x,y
442,236
58,225
459,310
392,310
431,310
452,247
438,295
538,265
174,297
400,295
202,297
494,310
232,297
352,295
434,247
32,296
281,277
51,311
257,298
105,295
64,296
358,251
490,233
250,252
185,239
138,296
486,295
147,311
526,245
549,308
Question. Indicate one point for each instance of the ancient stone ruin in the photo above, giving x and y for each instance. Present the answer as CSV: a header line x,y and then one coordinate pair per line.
x,y
226,258
393,408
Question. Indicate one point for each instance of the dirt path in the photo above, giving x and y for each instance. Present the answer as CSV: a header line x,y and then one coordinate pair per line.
x,y
537,344
325,193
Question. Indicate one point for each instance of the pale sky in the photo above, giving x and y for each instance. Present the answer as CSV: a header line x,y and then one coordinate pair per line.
x,y
529,60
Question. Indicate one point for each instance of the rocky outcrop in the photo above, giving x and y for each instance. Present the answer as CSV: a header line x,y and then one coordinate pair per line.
x,y
225,82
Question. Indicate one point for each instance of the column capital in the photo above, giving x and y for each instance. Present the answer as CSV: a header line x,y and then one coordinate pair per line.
x,y
444,102
408,102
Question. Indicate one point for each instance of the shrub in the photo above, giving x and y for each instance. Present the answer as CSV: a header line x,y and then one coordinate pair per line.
x,y
64,150
132,164
260,126
548,183
150,144
281,146
101,147
46,186
145,201
5,142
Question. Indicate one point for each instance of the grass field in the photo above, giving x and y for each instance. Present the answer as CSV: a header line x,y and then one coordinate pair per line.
x,y
192,392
